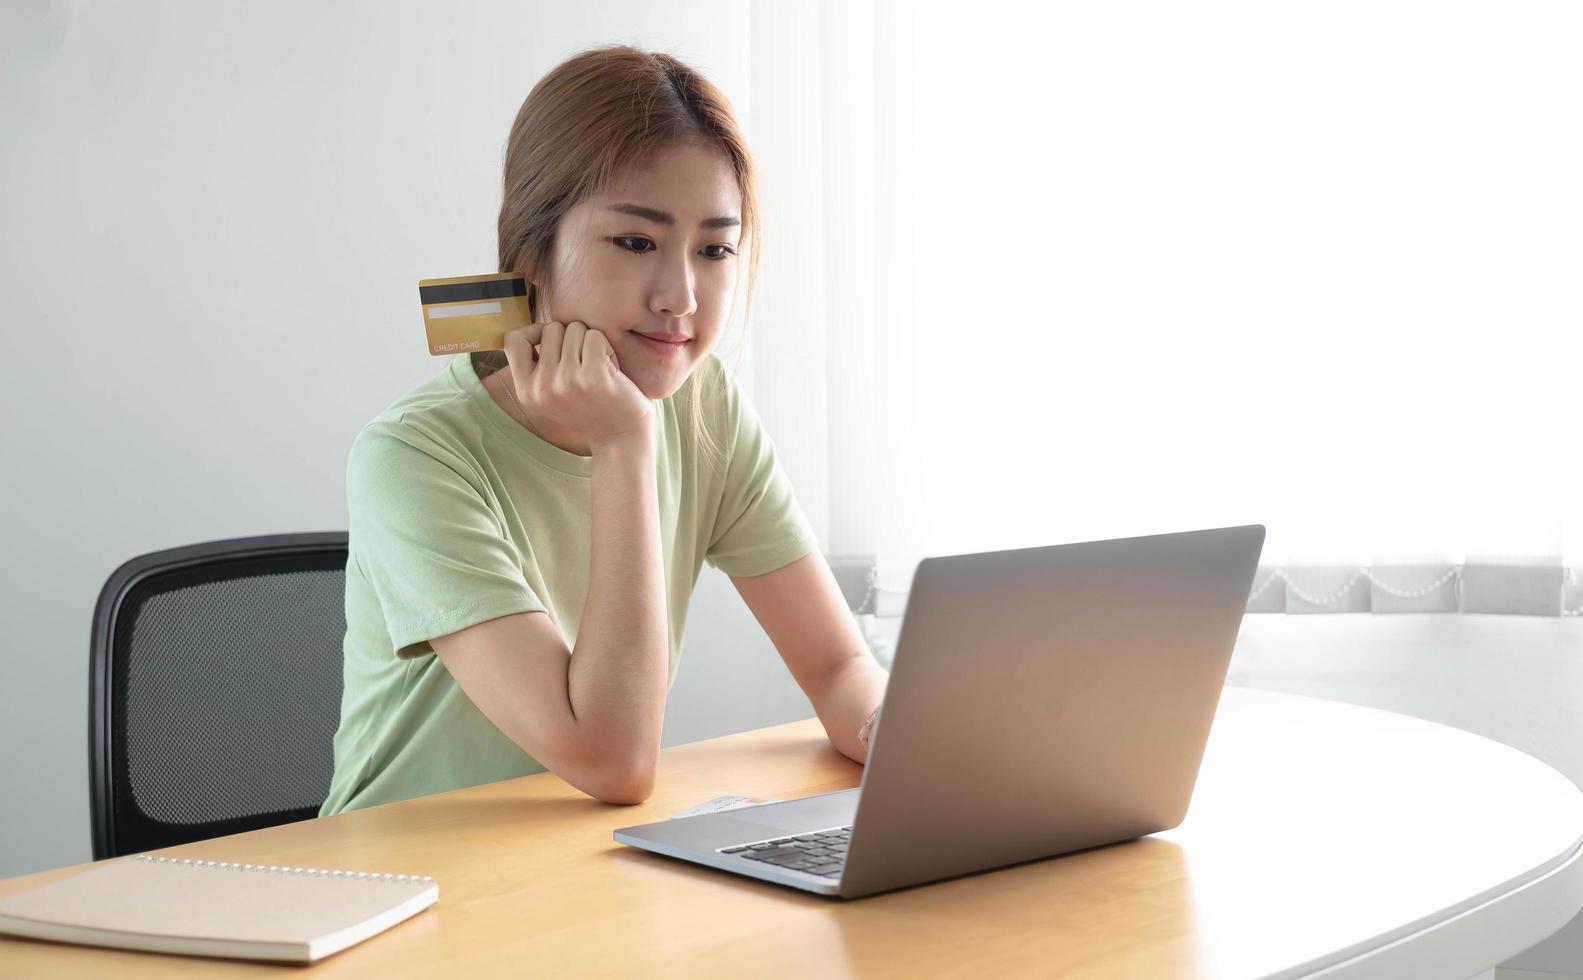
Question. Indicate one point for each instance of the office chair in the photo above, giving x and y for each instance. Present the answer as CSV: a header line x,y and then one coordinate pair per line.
x,y
215,689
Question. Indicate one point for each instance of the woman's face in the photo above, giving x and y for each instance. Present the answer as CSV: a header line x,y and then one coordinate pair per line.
x,y
656,254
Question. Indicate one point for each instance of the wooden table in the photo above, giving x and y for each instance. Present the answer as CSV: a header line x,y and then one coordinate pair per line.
x,y
1323,840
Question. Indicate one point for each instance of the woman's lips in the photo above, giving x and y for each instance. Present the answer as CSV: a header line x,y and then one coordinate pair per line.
x,y
664,347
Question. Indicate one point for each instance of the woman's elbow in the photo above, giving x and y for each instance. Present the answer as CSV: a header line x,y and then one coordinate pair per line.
x,y
628,787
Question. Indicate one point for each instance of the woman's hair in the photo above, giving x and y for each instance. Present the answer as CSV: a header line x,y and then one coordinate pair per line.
x,y
591,119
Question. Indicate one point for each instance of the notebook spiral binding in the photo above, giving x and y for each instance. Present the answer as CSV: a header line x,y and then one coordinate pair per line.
x,y
281,869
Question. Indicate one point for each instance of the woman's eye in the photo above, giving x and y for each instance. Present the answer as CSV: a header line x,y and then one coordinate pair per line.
x,y
624,239
640,251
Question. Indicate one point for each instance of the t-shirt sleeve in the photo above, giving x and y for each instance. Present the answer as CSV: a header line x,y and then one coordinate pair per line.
x,y
759,526
434,553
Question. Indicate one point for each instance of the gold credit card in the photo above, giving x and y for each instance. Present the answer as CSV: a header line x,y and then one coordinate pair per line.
x,y
467,313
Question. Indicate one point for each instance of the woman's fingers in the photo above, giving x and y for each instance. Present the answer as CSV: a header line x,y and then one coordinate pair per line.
x,y
572,344
597,355
550,346
519,349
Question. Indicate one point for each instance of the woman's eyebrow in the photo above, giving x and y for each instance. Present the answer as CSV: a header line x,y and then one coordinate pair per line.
x,y
666,218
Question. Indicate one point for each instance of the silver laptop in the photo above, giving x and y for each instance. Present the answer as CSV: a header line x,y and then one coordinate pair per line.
x,y
1041,701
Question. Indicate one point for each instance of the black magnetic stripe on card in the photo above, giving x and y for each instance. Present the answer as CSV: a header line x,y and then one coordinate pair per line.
x,y
461,292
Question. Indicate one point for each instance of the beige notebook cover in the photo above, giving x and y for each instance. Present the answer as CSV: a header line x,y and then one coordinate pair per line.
x,y
215,908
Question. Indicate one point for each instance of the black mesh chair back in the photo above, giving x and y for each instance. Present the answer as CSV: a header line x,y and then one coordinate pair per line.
x,y
215,689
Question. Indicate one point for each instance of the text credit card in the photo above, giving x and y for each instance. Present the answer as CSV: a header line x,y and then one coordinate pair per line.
x,y
467,313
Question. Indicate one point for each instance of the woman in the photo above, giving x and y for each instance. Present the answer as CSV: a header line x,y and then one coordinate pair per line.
x,y
527,526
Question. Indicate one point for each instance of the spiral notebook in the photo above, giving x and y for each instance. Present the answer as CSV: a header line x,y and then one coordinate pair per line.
x,y
216,908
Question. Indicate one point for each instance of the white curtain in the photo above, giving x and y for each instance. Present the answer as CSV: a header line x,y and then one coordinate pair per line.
x,y
1050,273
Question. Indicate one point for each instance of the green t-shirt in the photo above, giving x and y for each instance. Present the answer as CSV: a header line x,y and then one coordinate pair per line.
x,y
457,515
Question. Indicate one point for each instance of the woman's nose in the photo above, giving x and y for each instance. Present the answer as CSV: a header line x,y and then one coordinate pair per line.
x,y
676,294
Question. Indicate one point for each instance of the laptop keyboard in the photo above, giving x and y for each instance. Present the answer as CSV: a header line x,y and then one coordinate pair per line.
x,y
822,852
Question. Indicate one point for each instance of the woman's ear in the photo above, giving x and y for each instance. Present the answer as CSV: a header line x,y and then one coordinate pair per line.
x,y
527,271
541,296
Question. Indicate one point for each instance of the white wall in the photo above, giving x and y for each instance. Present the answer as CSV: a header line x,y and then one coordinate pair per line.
x,y
215,217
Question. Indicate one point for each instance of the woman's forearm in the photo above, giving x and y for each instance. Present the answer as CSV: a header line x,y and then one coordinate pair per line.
x,y
618,674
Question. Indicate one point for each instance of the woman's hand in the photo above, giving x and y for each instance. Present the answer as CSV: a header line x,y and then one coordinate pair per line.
x,y
574,379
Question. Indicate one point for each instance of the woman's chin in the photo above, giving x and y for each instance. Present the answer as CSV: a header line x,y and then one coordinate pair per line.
x,y
657,383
